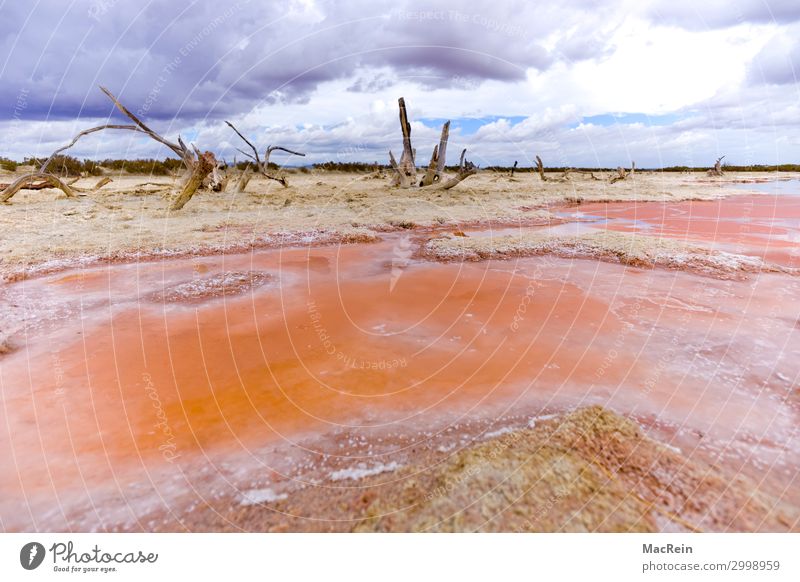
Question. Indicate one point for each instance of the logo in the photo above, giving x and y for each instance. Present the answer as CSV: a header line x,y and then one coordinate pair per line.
x,y
31,555
401,257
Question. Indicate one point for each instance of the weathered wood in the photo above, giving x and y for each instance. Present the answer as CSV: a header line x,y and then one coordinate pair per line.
x,y
51,180
102,182
404,172
83,133
32,186
436,165
399,177
717,169
540,169
465,170
179,148
244,179
621,175
204,165
217,180
262,166
407,163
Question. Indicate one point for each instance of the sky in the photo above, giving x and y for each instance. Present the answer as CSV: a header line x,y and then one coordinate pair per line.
x,y
578,82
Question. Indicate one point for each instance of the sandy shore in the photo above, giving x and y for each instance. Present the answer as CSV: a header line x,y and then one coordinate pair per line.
x,y
128,218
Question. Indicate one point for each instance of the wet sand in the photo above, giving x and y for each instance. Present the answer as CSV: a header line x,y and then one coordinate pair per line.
x,y
152,395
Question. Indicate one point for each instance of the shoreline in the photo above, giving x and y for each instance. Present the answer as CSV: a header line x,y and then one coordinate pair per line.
x,y
181,236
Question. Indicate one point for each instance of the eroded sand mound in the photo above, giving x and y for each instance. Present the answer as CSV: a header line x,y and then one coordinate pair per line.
x,y
629,249
223,284
589,470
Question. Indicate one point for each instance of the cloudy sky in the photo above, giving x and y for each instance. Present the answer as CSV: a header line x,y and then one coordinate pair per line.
x,y
580,82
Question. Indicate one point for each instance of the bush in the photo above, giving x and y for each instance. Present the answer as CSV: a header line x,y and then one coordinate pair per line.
x,y
147,166
7,164
348,167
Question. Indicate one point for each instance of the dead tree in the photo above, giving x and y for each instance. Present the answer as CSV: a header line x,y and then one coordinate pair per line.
x,y
217,180
465,170
262,166
44,181
622,173
717,169
244,179
436,165
407,166
405,171
192,160
540,169
204,165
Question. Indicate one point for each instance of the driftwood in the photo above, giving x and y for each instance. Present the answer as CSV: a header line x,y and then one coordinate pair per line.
x,y
717,169
40,185
465,170
404,172
192,160
262,166
540,169
407,165
49,180
436,165
622,173
244,179
217,180
102,182
203,167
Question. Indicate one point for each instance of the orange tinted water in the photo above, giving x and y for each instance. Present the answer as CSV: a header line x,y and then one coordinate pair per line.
x,y
118,404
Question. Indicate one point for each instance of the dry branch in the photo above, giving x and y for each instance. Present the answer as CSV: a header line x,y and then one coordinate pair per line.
x,y
203,167
244,179
263,165
407,163
622,173
404,172
51,181
717,169
436,165
179,148
540,169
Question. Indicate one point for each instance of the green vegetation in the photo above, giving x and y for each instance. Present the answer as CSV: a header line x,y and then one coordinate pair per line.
x,y
9,165
357,167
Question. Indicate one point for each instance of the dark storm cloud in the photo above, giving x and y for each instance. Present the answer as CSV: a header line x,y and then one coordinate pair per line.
x,y
207,59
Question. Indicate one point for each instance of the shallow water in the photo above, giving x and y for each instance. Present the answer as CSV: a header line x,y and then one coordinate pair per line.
x,y
141,388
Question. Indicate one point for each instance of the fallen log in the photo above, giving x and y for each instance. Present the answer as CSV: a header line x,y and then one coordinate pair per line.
x,y
203,167
49,179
